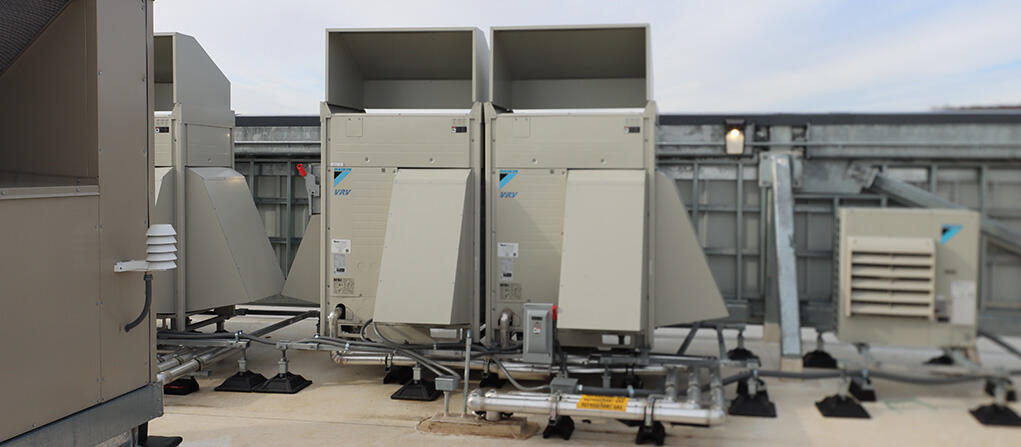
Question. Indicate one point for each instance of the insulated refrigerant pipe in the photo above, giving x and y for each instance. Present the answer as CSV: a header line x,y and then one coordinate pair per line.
x,y
536,371
635,409
214,355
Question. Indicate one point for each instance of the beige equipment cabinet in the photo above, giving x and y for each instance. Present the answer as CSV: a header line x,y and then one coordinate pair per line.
x,y
75,119
401,200
577,215
225,257
908,276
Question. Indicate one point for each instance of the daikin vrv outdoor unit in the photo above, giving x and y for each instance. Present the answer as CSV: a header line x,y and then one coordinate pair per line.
x,y
908,276
577,215
225,254
402,202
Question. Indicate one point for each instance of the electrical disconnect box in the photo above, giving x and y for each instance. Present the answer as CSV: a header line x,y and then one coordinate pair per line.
x,y
538,333
577,214
402,213
908,276
225,255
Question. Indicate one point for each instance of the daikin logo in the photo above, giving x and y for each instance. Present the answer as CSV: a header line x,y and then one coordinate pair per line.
x,y
949,231
339,174
506,175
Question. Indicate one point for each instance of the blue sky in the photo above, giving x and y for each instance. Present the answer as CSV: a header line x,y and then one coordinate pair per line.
x,y
708,56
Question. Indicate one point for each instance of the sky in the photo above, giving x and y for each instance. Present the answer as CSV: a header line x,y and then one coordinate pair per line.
x,y
708,56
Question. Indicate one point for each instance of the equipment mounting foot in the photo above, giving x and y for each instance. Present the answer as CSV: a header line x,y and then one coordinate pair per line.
x,y
284,383
491,381
242,382
741,355
758,405
1000,415
1009,385
941,360
422,390
655,433
819,359
861,388
562,426
397,374
841,406
181,387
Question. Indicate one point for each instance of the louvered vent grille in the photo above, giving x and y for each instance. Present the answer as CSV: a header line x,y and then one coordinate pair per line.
x,y
892,277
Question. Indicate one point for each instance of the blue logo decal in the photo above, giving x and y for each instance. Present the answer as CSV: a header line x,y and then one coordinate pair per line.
x,y
339,174
508,195
949,231
506,175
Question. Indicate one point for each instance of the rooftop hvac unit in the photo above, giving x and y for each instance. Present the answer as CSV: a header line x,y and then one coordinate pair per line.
x,y
74,200
908,276
225,254
401,220
577,214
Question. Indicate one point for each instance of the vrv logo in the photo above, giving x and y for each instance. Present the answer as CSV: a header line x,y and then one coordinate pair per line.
x,y
508,195
342,192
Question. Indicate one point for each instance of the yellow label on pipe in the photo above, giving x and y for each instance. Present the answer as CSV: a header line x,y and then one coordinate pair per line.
x,y
612,403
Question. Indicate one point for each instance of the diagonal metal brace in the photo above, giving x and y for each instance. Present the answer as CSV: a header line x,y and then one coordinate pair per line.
x,y
871,178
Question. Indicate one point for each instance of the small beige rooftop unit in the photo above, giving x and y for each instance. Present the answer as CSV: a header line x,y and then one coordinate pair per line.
x,y
401,185
577,214
908,276
225,254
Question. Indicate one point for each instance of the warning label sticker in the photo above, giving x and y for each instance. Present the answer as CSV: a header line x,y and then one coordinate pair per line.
x,y
611,403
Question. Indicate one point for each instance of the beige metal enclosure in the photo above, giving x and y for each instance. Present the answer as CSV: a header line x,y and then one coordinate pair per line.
x,y
402,204
225,255
75,114
576,216
908,276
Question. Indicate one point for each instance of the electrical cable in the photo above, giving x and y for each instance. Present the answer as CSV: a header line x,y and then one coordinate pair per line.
x,y
148,304
517,385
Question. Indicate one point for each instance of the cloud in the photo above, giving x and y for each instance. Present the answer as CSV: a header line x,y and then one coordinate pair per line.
x,y
774,56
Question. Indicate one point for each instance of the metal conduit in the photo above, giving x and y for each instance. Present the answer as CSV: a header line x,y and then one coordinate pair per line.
x,y
213,355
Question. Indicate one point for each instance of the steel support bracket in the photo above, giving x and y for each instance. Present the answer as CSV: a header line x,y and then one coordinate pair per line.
x,y
785,258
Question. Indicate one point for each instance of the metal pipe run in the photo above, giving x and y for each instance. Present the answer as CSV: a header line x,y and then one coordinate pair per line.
x,y
527,369
214,355
635,409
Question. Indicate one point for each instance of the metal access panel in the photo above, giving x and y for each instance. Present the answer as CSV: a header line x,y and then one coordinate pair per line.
x,y
427,237
603,263
908,276
403,212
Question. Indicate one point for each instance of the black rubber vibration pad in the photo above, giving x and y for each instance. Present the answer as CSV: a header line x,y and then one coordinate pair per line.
x,y
840,406
283,384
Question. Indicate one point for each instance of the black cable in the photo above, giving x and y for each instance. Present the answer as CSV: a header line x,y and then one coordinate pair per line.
x,y
148,303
